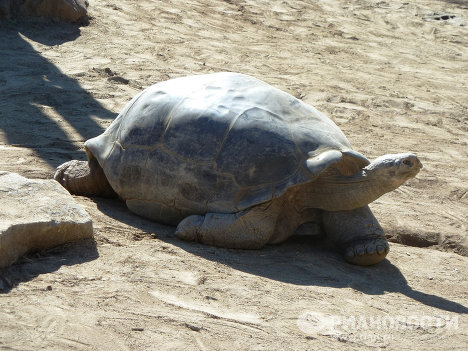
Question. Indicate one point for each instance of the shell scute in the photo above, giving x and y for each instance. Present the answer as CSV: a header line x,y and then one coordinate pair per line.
x,y
256,154
196,134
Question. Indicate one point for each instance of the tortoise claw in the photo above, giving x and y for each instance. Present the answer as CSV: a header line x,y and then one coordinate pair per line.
x,y
359,250
366,253
370,249
380,249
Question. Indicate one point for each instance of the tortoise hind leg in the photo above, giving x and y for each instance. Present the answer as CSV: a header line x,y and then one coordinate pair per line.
x,y
249,229
358,234
84,178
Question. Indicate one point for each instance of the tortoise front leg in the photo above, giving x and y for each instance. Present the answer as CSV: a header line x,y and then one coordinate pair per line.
x,y
358,234
249,229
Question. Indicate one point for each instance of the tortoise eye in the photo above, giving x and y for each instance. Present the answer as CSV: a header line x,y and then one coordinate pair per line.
x,y
407,162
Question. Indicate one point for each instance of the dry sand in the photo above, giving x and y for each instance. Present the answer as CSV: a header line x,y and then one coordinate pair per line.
x,y
391,75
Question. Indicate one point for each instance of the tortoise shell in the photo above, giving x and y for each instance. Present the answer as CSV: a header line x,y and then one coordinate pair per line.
x,y
220,142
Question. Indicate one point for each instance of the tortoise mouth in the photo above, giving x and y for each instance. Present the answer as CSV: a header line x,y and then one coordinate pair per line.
x,y
410,173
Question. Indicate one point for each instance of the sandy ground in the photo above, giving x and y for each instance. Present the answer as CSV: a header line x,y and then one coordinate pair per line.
x,y
393,75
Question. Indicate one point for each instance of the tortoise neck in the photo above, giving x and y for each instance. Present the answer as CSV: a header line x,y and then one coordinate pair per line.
x,y
339,193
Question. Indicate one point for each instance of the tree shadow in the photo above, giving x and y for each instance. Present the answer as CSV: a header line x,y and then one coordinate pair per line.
x,y
29,83
46,261
299,261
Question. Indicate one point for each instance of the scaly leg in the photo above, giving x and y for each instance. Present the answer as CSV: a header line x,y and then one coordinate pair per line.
x,y
84,178
249,229
358,234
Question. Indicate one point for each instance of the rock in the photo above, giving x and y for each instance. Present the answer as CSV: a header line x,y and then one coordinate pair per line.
x,y
37,215
61,10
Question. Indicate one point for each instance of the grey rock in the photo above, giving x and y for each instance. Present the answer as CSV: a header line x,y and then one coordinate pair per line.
x,y
62,10
36,215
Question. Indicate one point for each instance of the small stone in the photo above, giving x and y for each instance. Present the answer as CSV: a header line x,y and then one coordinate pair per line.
x,y
193,327
118,79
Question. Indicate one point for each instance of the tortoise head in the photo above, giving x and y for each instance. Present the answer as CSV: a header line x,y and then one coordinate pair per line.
x,y
391,171
346,180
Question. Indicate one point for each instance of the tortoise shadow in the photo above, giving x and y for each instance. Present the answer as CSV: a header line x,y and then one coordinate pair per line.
x,y
32,265
299,261
31,85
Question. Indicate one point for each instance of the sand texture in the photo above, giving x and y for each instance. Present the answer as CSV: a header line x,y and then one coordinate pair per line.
x,y
393,75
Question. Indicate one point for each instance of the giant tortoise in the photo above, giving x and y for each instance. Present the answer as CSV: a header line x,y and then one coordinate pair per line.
x,y
237,163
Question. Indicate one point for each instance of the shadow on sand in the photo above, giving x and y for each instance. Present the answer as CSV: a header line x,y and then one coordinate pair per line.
x,y
47,261
29,83
299,261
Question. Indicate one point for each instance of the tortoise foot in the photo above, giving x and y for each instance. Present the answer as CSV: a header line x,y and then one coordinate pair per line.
x,y
366,252
189,229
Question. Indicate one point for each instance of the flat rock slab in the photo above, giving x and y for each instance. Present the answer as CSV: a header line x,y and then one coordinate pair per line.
x,y
36,215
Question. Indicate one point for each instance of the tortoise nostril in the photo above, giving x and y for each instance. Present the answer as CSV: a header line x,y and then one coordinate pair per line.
x,y
408,163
